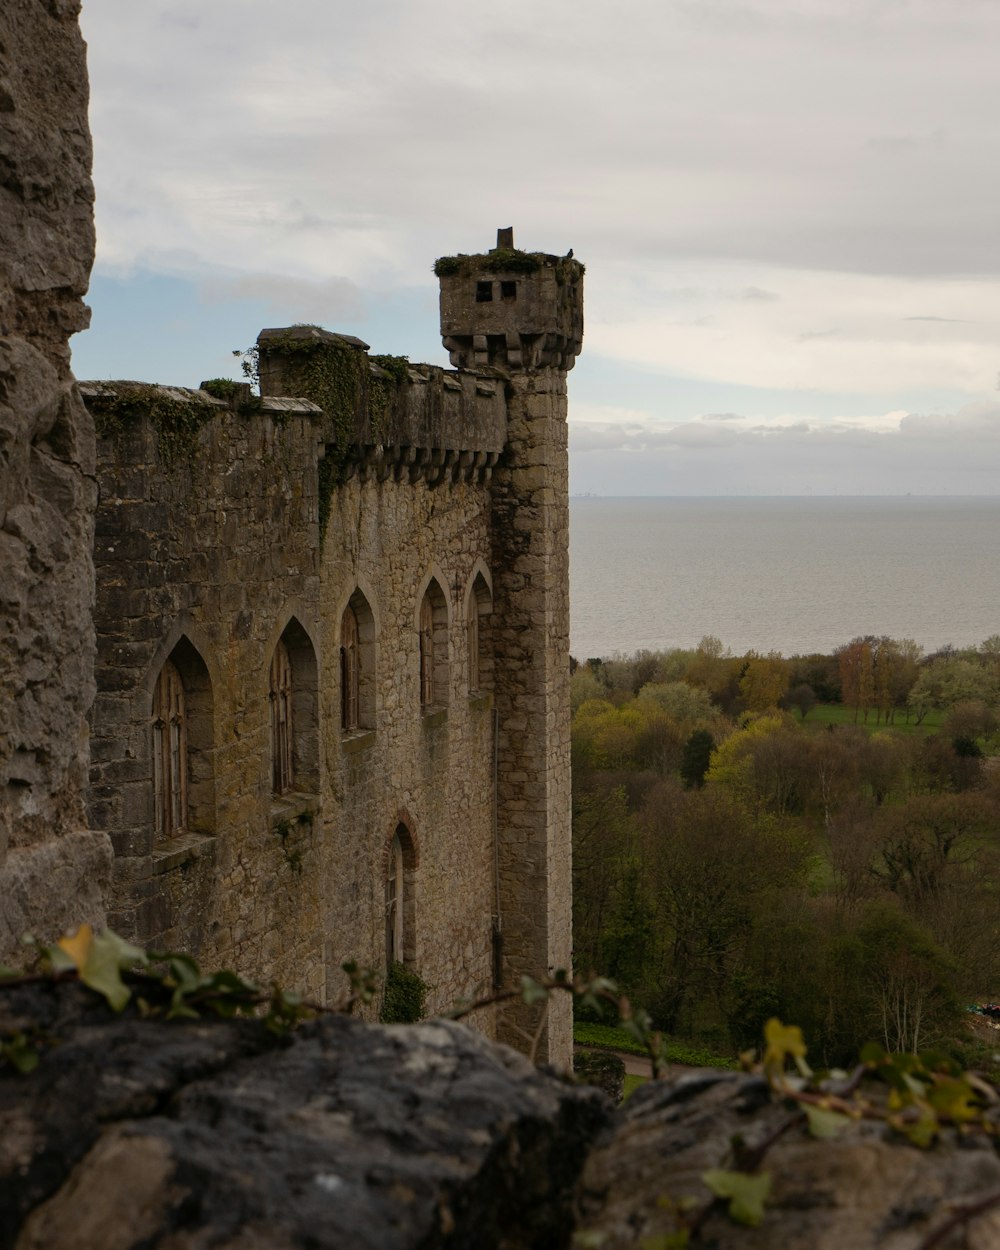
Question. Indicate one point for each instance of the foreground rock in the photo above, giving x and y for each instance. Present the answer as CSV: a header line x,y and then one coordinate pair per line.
x,y
216,1135
208,1134
864,1188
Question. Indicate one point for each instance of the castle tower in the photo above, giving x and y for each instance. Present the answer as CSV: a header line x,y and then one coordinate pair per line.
x,y
522,313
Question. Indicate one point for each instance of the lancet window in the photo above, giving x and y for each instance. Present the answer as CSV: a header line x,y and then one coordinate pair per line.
x,y
170,764
280,693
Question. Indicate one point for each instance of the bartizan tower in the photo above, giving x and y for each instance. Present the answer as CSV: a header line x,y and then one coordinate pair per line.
x,y
521,313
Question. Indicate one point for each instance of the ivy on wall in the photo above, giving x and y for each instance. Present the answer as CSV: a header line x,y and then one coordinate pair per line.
x,y
178,422
338,378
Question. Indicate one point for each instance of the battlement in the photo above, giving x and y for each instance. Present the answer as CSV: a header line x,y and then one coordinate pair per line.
x,y
384,415
509,309
376,416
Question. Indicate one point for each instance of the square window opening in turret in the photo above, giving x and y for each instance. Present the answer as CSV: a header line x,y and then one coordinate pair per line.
x,y
484,292
508,290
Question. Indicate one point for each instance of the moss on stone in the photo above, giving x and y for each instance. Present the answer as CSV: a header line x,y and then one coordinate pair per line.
x,y
178,422
506,260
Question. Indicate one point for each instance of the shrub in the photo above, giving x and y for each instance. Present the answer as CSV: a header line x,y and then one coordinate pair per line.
x,y
404,997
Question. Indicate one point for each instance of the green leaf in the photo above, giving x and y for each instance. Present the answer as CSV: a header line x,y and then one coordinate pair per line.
x,y
825,1123
954,1098
678,1240
19,1053
532,991
747,1194
923,1131
126,954
589,1239
784,1041
101,969
873,1054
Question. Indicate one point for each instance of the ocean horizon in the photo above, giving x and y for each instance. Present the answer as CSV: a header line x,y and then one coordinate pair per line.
x,y
788,573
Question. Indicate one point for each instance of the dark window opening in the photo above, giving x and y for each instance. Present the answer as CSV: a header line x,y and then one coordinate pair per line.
x,y
280,701
484,292
508,290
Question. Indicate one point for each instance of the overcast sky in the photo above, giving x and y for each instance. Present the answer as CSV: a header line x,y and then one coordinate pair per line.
x,y
789,211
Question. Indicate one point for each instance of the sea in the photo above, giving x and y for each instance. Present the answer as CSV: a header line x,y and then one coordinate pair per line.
x,y
793,575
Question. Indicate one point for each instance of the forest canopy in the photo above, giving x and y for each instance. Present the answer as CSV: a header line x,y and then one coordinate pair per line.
x,y
814,837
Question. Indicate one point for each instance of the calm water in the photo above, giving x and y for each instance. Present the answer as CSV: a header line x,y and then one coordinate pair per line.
x,y
791,575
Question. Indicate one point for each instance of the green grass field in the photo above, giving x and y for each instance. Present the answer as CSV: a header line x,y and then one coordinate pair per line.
x,y
610,1038
632,1083
824,714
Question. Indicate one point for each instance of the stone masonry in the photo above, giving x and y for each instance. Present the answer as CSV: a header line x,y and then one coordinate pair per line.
x,y
53,871
431,823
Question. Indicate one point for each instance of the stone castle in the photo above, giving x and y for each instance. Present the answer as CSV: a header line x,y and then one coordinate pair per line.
x,y
316,708
331,714
332,648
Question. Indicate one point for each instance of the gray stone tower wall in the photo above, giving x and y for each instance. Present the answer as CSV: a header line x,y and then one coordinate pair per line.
x,y
523,313
52,871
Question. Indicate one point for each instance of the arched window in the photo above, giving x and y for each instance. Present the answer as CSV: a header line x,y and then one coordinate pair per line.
x,y
357,665
183,758
395,903
472,624
293,712
280,707
433,647
426,653
350,671
479,635
400,898
170,766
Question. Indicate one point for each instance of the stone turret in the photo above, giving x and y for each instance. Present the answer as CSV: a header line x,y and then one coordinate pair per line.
x,y
516,310
523,312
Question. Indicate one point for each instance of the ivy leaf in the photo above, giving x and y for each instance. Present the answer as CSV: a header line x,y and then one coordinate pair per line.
x,y
924,1130
533,991
747,1194
76,947
824,1123
107,956
953,1098
18,1051
99,959
589,1239
784,1041
678,1240
872,1054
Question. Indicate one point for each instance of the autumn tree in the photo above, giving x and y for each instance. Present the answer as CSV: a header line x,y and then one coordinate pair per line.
x,y
763,681
857,675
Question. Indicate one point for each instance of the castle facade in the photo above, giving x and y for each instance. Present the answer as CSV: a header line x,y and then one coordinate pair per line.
x,y
332,715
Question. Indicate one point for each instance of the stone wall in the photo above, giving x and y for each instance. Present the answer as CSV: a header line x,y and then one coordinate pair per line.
x,y
52,871
205,551
209,539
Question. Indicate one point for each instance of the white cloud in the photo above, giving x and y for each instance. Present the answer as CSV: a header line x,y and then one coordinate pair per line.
x,y
328,301
937,453
789,195
824,331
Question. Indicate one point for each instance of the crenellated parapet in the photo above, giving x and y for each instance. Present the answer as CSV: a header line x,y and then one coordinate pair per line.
x,y
386,417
